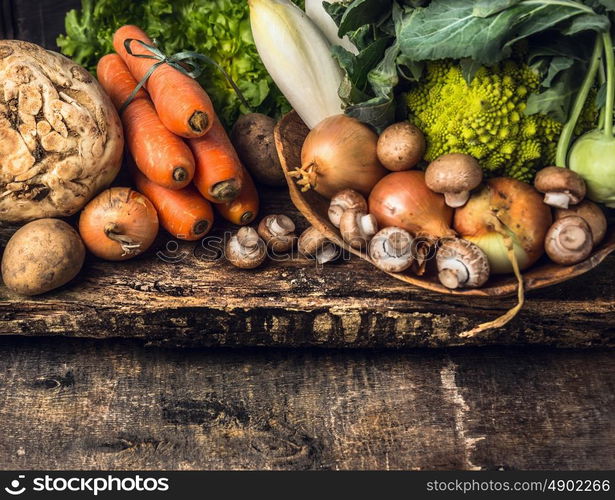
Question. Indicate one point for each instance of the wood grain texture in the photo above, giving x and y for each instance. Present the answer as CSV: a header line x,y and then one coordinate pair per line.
x,y
184,294
115,405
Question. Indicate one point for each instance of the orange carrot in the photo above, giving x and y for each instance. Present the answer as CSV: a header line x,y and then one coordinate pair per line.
x,y
218,174
182,104
184,212
243,209
163,157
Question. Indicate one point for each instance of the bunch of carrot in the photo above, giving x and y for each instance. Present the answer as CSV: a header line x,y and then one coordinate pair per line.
x,y
185,160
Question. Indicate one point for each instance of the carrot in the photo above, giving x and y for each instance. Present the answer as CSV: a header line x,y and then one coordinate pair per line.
x,y
163,157
243,209
182,104
184,212
218,174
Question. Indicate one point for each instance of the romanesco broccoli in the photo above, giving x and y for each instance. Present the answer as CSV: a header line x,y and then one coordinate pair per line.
x,y
486,118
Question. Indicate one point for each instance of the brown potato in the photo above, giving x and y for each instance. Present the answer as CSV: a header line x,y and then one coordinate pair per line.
x,y
252,136
42,255
401,146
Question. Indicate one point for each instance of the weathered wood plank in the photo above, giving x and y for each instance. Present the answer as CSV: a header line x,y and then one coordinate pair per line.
x,y
115,405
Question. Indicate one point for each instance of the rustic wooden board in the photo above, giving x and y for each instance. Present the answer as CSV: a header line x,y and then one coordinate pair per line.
x,y
114,405
186,298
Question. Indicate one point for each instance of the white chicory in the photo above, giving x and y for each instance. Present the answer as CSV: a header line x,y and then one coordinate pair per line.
x,y
297,56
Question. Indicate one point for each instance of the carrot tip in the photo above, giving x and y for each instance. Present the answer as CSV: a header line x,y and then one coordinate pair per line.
x,y
247,217
226,190
199,122
200,227
180,174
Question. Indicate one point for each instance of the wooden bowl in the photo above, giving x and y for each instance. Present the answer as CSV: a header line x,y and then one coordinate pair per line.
x,y
290,133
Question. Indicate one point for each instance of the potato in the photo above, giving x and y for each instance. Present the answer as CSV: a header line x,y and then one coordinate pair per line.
x,y
401,146
42,255
253,138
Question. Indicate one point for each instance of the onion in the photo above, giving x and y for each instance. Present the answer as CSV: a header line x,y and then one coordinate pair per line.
x,y
402,199
505,213
339,153
118,224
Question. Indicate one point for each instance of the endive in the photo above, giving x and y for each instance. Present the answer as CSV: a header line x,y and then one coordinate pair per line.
x,y
298,58
317,13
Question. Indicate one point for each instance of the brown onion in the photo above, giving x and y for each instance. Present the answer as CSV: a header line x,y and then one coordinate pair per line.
x,y
505,213
402,199
339,153
118,224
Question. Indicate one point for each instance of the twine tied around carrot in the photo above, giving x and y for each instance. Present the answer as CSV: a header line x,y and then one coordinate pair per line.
x,y
187,62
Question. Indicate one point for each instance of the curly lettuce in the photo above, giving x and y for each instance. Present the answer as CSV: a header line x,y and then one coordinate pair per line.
x,y
219,29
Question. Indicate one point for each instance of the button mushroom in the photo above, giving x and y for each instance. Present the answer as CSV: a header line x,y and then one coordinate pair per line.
x,y
391,249
461,264
345,200
569,240
314,245
246,249
278,231
592,214
357,228
454,175
561,186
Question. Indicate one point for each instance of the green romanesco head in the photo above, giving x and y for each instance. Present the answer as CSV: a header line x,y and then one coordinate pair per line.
x,y
485,118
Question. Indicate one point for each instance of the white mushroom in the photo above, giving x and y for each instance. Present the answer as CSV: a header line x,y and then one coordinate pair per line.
x,y
569,240
278,231
391,249
357,228
454,175
561,186
314,245
246,249
346,199
591,213
461,264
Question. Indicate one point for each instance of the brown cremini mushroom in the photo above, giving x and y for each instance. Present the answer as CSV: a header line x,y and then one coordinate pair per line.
x,y
561,186
591,213
357,228
461,264
278,231
569,240
314,245
246,249
454,175
391,249
345,200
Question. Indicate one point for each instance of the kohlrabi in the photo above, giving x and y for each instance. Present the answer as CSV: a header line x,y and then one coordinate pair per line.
x,y
592,155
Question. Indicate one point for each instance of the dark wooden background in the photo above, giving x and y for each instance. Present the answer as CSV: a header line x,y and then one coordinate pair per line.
x,y
116,404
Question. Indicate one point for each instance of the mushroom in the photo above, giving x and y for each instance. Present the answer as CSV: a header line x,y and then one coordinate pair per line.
x,y
314,245
357,228
592,214
246,249
569,240
391,249
278,231
454,175
345,200
561,186
461,264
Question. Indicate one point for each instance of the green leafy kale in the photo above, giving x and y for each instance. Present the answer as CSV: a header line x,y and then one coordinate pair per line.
x,y
219,29
396,38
